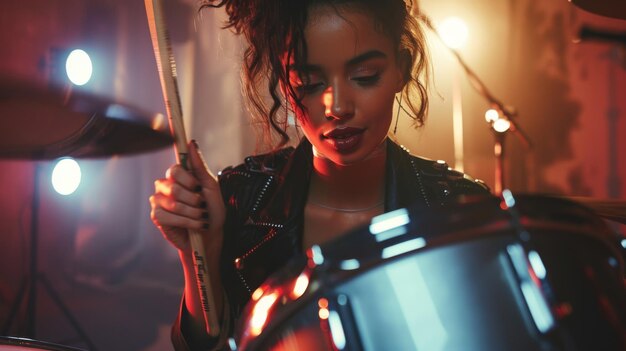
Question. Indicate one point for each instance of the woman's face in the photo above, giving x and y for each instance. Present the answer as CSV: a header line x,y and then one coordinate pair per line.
x,y
347,85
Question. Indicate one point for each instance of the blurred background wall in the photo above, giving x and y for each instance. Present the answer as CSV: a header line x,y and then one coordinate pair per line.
x,y
112,268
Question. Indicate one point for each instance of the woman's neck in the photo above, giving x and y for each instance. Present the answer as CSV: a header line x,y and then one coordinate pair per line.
x,y
352,186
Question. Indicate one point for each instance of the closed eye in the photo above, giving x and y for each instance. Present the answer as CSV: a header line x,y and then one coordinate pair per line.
x,y
367,80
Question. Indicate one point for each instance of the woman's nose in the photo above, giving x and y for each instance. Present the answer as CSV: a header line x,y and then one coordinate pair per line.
x,y
338,103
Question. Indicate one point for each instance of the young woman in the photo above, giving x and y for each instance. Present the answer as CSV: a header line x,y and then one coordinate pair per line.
x,y
338,66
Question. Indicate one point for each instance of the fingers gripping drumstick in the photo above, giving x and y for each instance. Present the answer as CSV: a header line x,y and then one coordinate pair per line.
x,y
167,73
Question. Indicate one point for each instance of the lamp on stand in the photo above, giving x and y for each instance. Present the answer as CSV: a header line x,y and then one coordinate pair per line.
x,y
499,127
502,119
55,124
28,288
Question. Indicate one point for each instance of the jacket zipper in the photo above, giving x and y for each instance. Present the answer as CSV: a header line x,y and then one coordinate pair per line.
x,y
267,184
239,261
265,239
419,181
243,281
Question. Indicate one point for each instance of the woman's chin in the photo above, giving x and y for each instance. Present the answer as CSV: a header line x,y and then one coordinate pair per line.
x,y
353,158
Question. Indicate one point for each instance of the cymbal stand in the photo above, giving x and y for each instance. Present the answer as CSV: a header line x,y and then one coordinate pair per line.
x,y
506,113
35,276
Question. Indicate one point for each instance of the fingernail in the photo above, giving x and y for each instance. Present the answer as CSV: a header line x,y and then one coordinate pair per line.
x,y
203,204
205,226
198,188
205,215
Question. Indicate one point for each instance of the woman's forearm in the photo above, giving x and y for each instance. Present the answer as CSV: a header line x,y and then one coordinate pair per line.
x,y
196,324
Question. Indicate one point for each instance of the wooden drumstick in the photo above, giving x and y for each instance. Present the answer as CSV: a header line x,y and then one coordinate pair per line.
x,y
167,73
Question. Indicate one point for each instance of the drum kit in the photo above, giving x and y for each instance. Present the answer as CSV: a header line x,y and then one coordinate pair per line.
x,y
515,272
522,272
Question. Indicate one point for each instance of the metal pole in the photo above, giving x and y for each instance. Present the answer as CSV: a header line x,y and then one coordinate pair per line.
x,y
31,307
498,150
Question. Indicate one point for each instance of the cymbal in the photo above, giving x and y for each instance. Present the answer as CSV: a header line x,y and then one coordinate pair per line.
x,y
41,123
609,8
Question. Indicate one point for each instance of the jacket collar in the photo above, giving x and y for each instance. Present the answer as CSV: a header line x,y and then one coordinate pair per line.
x,y
402,184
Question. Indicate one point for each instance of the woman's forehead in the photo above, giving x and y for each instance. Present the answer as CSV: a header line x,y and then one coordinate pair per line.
x,y
339,34
344,14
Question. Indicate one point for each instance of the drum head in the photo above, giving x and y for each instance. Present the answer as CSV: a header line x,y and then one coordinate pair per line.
x,y
531,273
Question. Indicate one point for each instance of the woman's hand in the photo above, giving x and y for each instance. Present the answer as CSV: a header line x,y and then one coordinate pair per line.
x,y
186,200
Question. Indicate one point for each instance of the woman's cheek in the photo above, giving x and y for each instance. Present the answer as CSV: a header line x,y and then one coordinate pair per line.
x,y
302,118
306,117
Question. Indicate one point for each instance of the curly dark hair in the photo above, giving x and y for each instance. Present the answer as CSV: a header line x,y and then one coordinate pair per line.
x,y
273,28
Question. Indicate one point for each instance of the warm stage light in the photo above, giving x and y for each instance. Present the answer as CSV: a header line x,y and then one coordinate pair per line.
x,y
501,125
66,176
491,115
78,67
453,32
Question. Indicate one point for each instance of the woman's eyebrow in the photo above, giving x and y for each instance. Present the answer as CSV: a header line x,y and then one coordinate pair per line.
x,y
368,55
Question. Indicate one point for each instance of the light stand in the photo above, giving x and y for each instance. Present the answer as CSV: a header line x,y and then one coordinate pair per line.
x,y
499,127
498,149
35,276
505,114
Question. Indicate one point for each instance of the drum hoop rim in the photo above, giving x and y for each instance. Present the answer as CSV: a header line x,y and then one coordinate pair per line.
x,y
27,342
477,233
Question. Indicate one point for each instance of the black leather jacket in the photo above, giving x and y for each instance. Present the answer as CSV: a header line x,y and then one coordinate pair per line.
x,y
265,198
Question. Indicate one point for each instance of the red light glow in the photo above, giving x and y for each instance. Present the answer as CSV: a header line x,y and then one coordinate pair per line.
x,y
300,286
260,313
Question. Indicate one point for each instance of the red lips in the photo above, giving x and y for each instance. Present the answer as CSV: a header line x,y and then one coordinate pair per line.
x,y
343,133
344,139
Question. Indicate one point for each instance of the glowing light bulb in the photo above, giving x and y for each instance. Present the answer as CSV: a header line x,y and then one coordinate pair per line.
x,y
66,176
78,67
454,32
492,115
501,125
